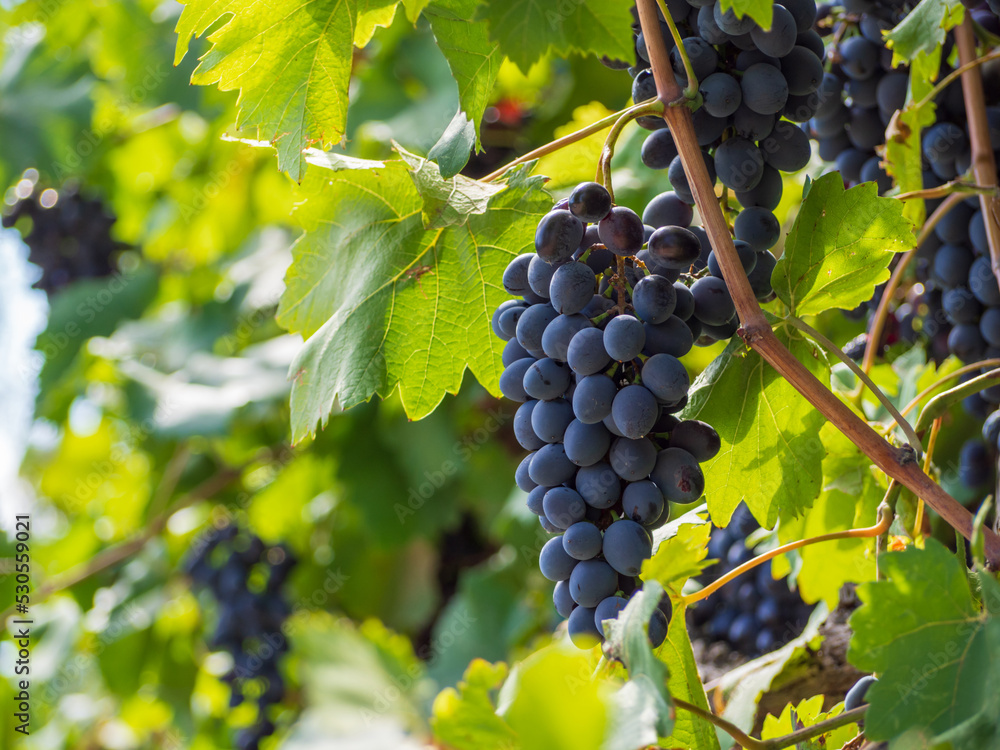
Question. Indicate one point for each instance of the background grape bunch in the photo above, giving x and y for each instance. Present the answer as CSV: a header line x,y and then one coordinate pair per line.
x,y
68,235
754,613
245,577
754,88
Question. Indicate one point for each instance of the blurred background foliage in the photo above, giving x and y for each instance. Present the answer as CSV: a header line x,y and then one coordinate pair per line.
x,y
154,403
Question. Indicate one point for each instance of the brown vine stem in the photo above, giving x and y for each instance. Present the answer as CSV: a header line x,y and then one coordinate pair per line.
x,y
983,165
882,313
884,521
775,743
756,331
570,138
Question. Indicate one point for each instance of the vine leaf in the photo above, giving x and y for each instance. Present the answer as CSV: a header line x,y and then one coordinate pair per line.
x,y
934,648
849,499
680,557
527,29
771,455
465,717
923,29
575,163
676,559
759,10
807,713
373,14
903,156
387,301
553,703
839,247
473,58
628,641
447,202
291,61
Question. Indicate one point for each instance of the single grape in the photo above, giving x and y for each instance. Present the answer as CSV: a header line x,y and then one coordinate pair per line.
x,y
642,502
665,377
654,299
624,337
558,236
759,227
593,398
586,444
549,420
598,485
765,90
572,287
634,411
581,628
562,600
549,465
779,40
553,561
678,475
712,303
667,209
722,95
675,247
632,460
590,201
621,231
856,695
558,334
697,438
626,545
563,507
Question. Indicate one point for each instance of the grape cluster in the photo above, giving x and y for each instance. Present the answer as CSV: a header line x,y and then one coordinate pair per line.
x,y
755,87
592,355
754,613
68,235
246,577
860,91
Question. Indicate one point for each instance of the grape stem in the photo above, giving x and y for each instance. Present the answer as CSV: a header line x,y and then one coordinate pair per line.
x,y
965,67
882,540
884,521
949,188
941,381
882,313
911,436
692,87
608,151
918,522
775,743
567,140
755,330
938,405
983,164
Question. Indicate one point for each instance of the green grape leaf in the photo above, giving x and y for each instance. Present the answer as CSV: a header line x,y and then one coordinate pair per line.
x,y
553,703
680,557
373,14
453,148
628,641
771,454
759,10
291,62
923,29
447,202
807,713
526,29
850,498
417,310
839,247
474,59
465,717
934,650
88,308
903,156
685,683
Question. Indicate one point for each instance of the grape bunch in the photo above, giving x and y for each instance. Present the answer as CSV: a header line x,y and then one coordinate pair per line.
x,y
592,356
756,87
68,235
246,577
754,613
